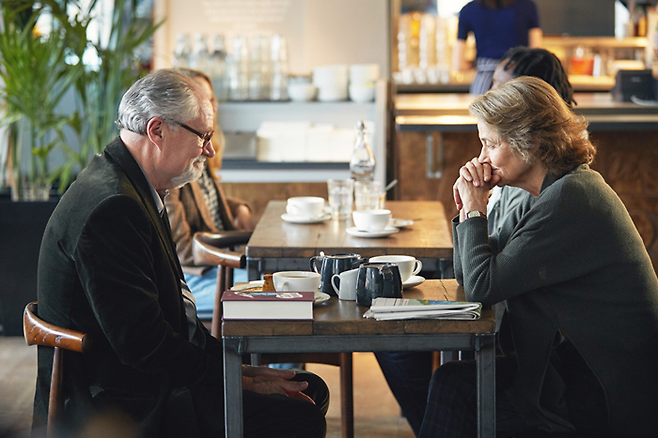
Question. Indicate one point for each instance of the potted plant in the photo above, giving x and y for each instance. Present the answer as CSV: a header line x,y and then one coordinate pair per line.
x,y
33,94
35,77
100,87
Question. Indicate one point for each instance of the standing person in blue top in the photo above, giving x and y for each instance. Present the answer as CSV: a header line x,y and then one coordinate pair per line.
x,y
498,25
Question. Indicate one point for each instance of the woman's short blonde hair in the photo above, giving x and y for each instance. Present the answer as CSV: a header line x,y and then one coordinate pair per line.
x,y
533,119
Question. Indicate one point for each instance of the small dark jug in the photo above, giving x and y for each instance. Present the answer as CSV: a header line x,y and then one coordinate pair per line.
x,y
333,264
377,280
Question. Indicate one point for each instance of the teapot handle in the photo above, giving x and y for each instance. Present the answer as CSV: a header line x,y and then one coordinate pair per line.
x,y
313,265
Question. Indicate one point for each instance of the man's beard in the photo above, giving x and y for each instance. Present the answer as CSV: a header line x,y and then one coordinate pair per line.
x,y
192,173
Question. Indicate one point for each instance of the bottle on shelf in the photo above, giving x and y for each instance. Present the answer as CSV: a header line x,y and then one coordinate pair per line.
x,y
238,69
218,69
259,68
182,51
199,59
362,163
279,68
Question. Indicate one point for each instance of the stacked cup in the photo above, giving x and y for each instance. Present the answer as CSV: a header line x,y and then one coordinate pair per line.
x,y
362,82
331,81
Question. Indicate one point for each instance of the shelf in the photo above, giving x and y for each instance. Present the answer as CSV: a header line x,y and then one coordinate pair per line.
x,y
247,116
592,42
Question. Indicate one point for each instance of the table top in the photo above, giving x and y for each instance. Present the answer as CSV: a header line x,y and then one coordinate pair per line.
x,y
429,236
338,317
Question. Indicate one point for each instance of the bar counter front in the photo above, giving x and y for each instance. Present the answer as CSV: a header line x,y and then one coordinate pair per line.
x,y
435,136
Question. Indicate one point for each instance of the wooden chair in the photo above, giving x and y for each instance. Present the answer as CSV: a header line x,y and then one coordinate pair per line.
x,y
39,332
218,249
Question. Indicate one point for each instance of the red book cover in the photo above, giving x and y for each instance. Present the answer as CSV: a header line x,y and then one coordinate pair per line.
x,y
267,305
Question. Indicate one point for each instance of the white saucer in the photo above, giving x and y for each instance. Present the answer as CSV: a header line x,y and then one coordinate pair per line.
x,y
320,297
249,285
400,223
413,281
305,219
353,231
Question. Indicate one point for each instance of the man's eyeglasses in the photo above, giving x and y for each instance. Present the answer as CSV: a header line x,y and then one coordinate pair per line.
x,y
205,137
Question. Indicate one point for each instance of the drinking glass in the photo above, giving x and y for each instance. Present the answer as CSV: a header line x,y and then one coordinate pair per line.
x,y
366,194
341,197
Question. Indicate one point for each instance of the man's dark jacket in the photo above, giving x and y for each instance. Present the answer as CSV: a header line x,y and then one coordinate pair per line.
x,y
108,268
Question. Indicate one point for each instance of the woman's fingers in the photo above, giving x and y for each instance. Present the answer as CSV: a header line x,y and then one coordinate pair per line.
x,y
476,172
455,193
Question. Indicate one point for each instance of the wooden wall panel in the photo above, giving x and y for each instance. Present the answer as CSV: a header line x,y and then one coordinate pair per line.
x,y
259,194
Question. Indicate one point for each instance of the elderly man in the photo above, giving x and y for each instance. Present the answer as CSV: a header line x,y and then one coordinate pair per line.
x,y
108,267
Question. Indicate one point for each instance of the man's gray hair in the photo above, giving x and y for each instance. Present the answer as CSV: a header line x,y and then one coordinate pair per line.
x,y
165,93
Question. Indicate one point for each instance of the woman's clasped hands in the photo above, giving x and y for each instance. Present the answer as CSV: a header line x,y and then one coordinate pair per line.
x,y
471,190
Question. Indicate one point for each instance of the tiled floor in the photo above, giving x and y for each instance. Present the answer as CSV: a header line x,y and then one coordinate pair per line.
x,y
377,415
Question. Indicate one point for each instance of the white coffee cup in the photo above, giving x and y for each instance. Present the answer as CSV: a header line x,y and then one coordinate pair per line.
x,y
407,265
371,220
305,206
296,281
347,284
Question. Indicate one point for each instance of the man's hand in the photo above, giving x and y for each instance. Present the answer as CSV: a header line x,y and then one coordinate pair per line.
x,y
266,380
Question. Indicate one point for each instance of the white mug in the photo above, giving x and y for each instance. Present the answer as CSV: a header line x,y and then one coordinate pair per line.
x,y
371,220
407,265
296,281
306,206
347,288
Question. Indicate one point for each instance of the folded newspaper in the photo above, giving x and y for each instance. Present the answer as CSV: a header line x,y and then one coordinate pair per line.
x,y
401,308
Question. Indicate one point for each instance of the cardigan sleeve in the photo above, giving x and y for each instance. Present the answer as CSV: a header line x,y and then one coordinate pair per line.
x,y
575,230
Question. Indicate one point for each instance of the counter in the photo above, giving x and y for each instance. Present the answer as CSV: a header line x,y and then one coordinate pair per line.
x,y
449,113
435,135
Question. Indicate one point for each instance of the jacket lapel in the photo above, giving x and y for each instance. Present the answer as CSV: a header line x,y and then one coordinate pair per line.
x,y
200,203
120,154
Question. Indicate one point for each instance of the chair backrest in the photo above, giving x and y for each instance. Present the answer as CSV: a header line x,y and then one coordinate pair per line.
x,y
38,332
217,250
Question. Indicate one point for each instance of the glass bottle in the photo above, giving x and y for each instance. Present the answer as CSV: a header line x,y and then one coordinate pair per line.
x,y
199,60
238,69
182,51
279,68
218,70
362,164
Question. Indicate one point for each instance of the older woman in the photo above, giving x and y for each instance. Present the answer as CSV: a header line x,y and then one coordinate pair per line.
x,y
523,61
580,290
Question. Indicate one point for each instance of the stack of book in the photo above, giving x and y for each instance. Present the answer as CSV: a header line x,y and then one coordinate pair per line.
x,y
383,309
267,305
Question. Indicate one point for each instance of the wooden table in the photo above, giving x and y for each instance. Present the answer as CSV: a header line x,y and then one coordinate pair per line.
x,y
276,245
339,326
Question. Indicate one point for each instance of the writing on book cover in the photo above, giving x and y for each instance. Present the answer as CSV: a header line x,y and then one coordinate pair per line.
x,y
267,305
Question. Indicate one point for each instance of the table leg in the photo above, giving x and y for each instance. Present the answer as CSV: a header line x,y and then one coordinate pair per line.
x,y
346,395
253,269
486,383
232,389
